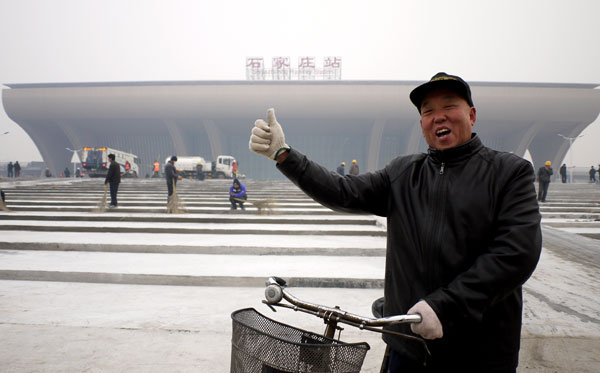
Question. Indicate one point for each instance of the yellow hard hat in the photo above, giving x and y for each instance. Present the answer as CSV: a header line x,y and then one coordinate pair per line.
x,y
343,163
354,161
548,163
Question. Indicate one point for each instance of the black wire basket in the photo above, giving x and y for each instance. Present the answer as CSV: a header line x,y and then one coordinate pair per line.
x,y
259,344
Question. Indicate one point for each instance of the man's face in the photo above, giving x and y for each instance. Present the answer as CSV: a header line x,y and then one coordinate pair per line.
x,y
446,119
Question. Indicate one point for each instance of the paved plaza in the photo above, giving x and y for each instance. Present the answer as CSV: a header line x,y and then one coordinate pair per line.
x,y
136,289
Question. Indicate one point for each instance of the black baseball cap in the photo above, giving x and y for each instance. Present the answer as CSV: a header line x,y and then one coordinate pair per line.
x,y
174,158
441,80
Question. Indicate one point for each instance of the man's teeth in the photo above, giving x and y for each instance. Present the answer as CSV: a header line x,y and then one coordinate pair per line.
x,y
442,132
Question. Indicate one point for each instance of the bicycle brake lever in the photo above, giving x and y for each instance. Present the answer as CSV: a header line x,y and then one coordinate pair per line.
x,y
270,306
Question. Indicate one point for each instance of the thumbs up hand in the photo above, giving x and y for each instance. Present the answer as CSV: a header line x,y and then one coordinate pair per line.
x,y
267,138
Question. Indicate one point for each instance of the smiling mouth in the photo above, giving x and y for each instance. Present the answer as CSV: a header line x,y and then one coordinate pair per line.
x,y
442,132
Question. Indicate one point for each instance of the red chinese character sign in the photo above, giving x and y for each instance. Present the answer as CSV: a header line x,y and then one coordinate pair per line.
x,y
281,69
306,68
332,68
255,68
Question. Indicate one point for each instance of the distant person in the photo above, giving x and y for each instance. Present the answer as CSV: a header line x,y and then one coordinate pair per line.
x,y
113,178
234,169
127,167
543,177
2,201
592,175
78,172
156,170
47,173
341,169
10,169
237,192
563,173
17,169
200,172
353,168
171,175
66,172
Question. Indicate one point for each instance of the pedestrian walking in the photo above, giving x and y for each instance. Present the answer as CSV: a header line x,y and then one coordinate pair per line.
x,y
544,174
10,170
592,174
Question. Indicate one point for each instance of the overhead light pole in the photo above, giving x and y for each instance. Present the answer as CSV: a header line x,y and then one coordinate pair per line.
x,y
74,163
571,139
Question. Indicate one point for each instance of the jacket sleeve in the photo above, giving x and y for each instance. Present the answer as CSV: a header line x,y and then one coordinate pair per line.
x,y
366,193
109,174
505,264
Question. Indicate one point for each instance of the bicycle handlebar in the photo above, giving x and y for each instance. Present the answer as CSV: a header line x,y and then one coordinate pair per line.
x,y
275,293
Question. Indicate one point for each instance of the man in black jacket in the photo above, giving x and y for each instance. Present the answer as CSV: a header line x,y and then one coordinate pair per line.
x,y
563,173
171,175
463,232
544,174
113,178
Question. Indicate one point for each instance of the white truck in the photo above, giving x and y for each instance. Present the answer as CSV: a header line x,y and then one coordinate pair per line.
x,y
200,168
94,160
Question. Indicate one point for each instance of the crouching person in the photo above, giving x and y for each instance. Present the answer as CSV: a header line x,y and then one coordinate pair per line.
x,y
237,194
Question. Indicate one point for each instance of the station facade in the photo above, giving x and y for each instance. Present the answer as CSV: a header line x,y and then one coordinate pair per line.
x,y
331,121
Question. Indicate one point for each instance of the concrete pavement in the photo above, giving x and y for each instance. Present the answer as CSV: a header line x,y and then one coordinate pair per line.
x,y
93,316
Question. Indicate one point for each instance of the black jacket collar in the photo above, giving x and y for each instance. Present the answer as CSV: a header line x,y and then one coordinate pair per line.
x,y
457,153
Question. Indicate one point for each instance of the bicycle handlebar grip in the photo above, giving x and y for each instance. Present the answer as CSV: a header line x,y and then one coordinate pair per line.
x,y
273,294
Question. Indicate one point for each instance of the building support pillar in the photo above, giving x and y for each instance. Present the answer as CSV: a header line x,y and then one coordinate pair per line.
x,y
374,148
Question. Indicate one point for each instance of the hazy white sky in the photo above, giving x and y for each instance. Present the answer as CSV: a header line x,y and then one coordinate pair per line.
x,y
547,41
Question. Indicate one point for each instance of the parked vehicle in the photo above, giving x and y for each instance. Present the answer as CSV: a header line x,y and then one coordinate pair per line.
x,y
200,168
94,160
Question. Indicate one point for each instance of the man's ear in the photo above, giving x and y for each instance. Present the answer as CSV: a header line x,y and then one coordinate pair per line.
x,y
473,115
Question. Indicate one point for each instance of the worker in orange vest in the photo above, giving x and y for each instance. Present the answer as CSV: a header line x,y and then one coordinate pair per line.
x,y
234,169
156,169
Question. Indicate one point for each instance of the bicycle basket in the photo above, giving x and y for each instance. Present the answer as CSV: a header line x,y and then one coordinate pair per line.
x,y
259,344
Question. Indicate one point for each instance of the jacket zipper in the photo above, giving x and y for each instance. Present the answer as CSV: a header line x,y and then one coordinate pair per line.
x,y
435,238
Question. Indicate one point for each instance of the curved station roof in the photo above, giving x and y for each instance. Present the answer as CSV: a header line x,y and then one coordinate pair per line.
x,y
331,121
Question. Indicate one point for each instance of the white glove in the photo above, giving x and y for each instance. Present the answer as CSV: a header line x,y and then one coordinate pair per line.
x,y
430,326
267,137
